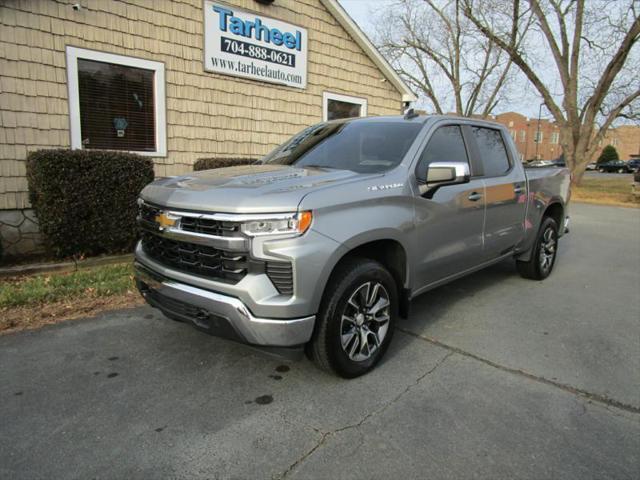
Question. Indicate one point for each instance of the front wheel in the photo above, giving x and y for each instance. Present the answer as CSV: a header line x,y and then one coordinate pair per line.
x,y
543,257
356,319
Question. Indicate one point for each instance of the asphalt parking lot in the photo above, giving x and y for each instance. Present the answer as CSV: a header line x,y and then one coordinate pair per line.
x,y
493,376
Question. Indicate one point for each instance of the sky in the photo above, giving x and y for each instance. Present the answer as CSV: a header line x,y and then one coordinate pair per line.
x,y
361,10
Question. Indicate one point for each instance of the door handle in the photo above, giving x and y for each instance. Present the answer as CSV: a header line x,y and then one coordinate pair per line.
x,y
474,197
518,189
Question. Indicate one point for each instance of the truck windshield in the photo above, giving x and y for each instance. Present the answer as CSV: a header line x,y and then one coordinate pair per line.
x,y
363,147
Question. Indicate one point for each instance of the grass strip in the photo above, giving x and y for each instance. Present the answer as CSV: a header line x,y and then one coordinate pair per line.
x,y
605,191
93,282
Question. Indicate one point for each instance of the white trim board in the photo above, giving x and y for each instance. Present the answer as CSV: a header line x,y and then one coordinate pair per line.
x,y
326,96
74,53
363,41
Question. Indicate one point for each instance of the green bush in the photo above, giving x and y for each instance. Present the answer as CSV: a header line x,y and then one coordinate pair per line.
x,y
609,154
85,200
211,163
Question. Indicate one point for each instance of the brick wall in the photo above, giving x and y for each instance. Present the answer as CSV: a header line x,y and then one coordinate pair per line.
x,y
207,114
626,138
523,130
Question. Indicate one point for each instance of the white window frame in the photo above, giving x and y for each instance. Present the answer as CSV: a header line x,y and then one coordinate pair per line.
x,y
326,96
74,53
555,138
537,136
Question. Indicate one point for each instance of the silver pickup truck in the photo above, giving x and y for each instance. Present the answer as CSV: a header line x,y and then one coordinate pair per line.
x,y
323,243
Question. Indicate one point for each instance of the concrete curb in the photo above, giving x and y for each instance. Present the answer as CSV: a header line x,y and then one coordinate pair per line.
x,y
64,266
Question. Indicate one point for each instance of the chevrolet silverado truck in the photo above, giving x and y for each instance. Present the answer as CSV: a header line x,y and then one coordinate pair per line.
x,y
323,242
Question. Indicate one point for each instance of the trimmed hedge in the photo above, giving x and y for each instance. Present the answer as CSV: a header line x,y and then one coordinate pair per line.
x,y
211,163
85,200
608,154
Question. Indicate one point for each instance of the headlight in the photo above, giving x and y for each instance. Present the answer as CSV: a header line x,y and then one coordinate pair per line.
x,y
290,223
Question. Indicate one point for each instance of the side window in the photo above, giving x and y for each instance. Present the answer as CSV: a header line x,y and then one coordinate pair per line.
x,y
492,151
445,145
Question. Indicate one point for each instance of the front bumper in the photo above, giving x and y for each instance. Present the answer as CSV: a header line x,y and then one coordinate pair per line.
x,y
219,314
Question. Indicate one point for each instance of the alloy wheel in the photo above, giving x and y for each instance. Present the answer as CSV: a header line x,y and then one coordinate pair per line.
x,y
365,321
547,249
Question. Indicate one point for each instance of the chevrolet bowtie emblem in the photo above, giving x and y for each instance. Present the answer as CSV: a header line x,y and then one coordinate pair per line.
x,y
164,221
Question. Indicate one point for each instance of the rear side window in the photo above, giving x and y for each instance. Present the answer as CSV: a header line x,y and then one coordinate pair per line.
x,y
445,145
492,151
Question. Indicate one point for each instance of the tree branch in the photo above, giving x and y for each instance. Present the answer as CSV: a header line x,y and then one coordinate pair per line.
x,y
519,60
611,71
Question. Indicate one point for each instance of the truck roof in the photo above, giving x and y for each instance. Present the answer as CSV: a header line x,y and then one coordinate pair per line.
x,y
420,118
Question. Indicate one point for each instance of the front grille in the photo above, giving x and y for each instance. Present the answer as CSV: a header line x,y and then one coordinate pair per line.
x,y
203,260
208,226
148,212
193,258
281,275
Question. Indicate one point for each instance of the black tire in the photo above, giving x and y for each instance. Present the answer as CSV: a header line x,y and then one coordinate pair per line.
x,y
601,170
534,268
348,280
621,170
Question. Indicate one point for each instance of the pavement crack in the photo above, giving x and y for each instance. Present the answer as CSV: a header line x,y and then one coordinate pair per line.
x,y
324,436
594,397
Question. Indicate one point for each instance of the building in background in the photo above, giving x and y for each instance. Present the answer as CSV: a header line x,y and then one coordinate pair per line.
x,y
541,141
534,141
176,81
626,139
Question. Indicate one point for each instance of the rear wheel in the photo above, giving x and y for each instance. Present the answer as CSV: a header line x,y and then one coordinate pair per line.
x,y
356,318
543,257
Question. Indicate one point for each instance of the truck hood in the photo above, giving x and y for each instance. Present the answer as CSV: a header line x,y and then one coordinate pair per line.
x,y
244,189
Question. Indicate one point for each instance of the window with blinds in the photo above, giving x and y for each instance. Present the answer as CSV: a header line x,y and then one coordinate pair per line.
x,y
116,106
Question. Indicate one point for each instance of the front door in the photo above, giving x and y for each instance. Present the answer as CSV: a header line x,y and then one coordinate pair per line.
x,y
449,226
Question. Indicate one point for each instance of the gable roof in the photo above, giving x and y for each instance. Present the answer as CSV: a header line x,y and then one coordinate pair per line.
x,y
372,52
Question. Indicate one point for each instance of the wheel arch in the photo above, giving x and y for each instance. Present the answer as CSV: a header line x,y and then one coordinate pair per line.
x,y
554,209
391,253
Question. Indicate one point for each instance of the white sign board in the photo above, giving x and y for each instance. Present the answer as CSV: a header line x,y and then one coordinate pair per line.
x,y
246,44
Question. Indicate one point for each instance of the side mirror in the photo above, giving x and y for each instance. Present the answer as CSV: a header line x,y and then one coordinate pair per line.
x,y
440,174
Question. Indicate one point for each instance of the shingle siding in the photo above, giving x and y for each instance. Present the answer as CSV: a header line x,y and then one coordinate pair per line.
x,y
207,114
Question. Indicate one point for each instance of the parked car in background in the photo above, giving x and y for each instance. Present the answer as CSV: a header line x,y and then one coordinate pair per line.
x,y
615,166
539,163
592,166
634,164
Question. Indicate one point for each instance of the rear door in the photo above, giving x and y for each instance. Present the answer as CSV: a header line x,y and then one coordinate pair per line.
x,y
448,234
505,191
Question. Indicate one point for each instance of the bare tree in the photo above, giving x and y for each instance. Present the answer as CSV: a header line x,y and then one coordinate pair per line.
x,y
592,49
442,55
